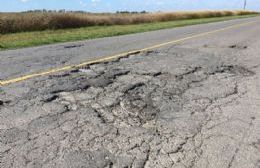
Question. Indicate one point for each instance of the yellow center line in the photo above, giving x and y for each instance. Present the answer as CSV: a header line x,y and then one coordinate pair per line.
x,y
117,56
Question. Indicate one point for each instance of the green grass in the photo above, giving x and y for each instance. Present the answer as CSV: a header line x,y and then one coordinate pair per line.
x,y
29,39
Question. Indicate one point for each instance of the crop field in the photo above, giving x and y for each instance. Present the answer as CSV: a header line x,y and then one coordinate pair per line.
x,y
32,29
19,22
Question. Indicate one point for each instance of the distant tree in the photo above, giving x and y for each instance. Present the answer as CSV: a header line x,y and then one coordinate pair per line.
x,y
62,11
133,12
123,12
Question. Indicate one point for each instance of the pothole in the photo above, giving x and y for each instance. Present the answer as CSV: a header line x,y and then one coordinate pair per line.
x,y
73,46
2,103
133,97
51,98
233,69
138,105
235,46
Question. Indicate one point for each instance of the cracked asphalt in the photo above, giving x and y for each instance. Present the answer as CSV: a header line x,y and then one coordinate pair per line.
x,y
194,104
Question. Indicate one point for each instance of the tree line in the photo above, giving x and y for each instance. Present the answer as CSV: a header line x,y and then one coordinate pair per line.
x,y
78,11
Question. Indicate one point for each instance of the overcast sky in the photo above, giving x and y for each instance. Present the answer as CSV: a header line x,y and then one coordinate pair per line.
x,y
130,5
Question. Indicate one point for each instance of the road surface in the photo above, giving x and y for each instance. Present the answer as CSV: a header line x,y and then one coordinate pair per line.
x,y
189,104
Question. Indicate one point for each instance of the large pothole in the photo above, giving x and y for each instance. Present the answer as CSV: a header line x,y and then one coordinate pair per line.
x,y
132,98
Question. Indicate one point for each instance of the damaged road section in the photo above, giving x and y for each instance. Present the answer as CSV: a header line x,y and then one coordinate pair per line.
x,y
154,109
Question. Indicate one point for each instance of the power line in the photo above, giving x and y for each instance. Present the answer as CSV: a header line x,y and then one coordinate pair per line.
x,y
245,3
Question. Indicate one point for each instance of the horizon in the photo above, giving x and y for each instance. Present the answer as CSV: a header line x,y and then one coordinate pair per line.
x,y
111,6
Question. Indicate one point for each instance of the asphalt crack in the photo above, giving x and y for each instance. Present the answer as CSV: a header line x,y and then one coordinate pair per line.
x,y
118,114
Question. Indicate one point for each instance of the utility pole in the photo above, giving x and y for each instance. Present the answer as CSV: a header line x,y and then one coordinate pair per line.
x,y
245,2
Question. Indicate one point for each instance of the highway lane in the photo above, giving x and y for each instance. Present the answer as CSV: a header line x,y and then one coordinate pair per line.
x,y
15,63
193,104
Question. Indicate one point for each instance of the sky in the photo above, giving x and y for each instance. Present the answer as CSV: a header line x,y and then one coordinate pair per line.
x,y
129,5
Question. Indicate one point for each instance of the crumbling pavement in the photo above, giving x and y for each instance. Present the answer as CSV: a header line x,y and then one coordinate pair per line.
x,y
160,108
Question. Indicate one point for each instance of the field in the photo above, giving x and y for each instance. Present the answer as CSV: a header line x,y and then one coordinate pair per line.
x,y
31,29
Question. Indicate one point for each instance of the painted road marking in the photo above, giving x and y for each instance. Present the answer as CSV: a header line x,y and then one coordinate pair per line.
x,y
117,56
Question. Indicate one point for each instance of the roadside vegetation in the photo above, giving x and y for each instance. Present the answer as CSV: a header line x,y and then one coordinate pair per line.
x,y
35,21
36,28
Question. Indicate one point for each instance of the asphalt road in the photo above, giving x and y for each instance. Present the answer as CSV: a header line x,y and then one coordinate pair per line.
x,y
30,60
193,104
